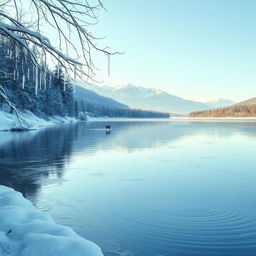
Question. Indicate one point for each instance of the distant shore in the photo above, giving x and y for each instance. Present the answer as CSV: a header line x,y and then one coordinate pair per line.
x,y
220,118
31,121
184,118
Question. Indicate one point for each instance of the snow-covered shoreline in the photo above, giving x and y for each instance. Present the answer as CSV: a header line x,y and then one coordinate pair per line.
x,y
30,121
25,231
171,119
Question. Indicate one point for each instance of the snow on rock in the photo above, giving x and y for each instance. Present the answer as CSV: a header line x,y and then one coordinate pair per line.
x,y
25,231
30,120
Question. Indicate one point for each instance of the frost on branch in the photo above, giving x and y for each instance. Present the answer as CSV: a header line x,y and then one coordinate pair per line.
x,y
22,123
32,49
70,20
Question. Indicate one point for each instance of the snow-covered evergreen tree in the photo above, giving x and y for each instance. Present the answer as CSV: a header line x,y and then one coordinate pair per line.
x,y
54,95
68,99
53,98
27,51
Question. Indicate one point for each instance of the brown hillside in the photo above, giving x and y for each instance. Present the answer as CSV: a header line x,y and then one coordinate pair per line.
x,y
237,110
251,101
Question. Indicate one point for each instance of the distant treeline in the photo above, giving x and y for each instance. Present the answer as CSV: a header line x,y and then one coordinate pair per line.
x,y
48,93
232,111
100,110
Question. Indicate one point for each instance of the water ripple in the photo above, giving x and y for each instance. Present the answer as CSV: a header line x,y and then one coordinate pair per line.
x,y
194,228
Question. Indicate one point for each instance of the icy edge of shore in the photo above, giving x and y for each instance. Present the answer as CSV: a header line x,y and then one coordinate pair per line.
x,y
29,120
25,231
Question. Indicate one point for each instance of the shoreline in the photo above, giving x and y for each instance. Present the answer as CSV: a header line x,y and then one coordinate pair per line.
x,y
9,122
171,119
24,230
223,118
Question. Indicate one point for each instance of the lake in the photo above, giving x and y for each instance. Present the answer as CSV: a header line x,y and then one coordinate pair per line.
x,y
147,188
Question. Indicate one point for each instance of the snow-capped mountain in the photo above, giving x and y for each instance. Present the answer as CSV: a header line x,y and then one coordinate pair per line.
x,y
144,98
220,103
89,96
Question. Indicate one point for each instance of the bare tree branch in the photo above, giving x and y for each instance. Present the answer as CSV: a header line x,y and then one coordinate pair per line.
x,y
66,17
22,123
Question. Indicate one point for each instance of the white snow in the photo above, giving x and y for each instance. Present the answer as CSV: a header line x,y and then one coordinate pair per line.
x,y
25,231
21,35
29,120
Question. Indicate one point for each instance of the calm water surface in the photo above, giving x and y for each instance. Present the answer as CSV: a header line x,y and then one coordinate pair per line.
x,y
146,188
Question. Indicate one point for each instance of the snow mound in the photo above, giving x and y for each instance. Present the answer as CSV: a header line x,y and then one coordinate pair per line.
x,y
29,120
25,231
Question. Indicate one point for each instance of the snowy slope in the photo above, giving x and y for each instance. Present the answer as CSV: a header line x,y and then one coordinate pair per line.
x,y
140,97
25,231
96,99
29,120
220,103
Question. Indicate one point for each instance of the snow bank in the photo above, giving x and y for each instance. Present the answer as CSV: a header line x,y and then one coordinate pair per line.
x,y
25,231
30,120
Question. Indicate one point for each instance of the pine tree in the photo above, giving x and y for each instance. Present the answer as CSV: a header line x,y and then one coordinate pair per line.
x,y
53,96
67,92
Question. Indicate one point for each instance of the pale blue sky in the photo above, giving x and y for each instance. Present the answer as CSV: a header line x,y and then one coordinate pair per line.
x,y
197,49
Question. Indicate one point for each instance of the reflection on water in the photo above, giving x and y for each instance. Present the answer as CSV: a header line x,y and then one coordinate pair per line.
x,y
145,188
31,156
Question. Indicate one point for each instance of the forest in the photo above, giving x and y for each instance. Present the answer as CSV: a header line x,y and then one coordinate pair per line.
x,y
54,93
232,111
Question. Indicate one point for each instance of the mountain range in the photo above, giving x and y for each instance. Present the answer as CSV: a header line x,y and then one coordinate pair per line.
x,y
220,103
251,101
152,99
245,108
98,105
89,96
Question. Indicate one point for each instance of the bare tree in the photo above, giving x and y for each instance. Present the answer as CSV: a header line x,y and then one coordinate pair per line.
x,y
22,124
71,20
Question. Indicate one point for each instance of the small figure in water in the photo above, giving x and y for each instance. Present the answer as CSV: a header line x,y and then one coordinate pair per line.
x,y
108,127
